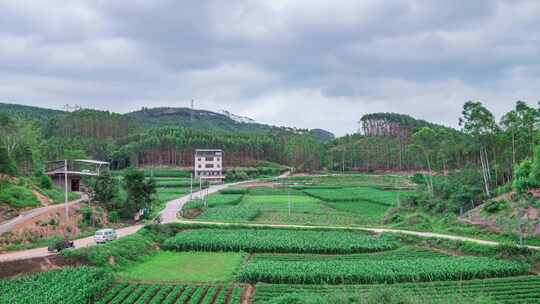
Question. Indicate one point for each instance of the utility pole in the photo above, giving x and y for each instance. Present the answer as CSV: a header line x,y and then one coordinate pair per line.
x,y
66,189
191,187
289,199
200,186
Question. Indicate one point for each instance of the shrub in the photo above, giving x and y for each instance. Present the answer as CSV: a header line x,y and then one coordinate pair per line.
x,y
18,196
45,182
495,206
117,253
114,217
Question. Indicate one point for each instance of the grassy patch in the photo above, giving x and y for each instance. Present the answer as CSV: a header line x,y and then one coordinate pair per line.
x,y
383,197
365,209
238,213
17,196
167,266
57,195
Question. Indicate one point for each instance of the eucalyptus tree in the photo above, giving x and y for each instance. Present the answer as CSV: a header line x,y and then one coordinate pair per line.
x,y
480,123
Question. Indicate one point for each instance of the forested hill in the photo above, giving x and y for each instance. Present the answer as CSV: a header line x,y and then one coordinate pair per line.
x,y
392,124
29,112
62,122
194,119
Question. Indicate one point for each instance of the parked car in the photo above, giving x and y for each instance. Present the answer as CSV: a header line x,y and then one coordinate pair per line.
x,y
105,235
60,245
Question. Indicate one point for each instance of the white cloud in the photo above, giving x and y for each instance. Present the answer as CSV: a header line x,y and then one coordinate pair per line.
x,y
313,64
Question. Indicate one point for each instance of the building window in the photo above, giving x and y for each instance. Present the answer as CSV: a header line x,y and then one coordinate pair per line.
x,y
200,166
209,166
209,158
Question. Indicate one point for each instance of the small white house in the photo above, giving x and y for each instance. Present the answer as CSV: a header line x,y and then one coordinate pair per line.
x,y
209,165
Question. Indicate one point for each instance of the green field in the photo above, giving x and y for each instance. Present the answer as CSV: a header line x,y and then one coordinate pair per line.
x,y
184,267
298,203
171,294
324,204
353,180
368,271
277,241
524,290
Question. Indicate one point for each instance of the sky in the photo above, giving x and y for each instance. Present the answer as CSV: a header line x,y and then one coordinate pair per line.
x,y
309,64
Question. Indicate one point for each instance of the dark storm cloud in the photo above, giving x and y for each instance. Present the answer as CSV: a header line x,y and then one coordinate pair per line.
x,y
331,61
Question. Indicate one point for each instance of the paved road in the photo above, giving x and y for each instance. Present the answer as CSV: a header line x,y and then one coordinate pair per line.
x,y
42,252
30,214
168,216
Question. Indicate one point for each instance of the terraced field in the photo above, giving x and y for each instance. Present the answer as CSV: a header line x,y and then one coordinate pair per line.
x,y
125,293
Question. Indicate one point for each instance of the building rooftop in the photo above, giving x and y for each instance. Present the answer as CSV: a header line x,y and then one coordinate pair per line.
x,y
208,150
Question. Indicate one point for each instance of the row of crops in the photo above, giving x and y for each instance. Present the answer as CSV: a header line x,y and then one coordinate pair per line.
x,y
69,285
125,293
524,289
387,198
402,253
377,271
277,241
237,213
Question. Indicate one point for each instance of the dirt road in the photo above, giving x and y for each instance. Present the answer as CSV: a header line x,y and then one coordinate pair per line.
x,y
30,214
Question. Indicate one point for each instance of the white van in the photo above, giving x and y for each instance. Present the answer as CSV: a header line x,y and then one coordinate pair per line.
x,y
105,235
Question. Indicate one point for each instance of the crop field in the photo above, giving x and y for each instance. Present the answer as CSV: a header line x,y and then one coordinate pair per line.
x,y
124,293
524,289
174,182
277,241
402,253
298,203
340,271
79,285
354,180
239,213
314,200
383,197
168,266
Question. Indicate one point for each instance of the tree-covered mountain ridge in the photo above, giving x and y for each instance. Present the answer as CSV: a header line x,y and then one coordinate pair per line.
x,y
148,118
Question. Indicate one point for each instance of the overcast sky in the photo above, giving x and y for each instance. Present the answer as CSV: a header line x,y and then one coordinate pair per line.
x,y
299,63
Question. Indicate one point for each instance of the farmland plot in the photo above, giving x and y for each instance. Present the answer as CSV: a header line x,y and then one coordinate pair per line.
x,y
172,294
77,286
184,267
339,271
525,289
277,240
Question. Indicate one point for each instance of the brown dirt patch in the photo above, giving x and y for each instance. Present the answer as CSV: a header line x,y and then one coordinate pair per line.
x,y
7,213
42,198
247,294
12,269
532,213
192,213
483,223
46,225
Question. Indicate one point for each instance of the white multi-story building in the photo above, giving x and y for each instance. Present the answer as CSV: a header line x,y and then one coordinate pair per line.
x,y
209,164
